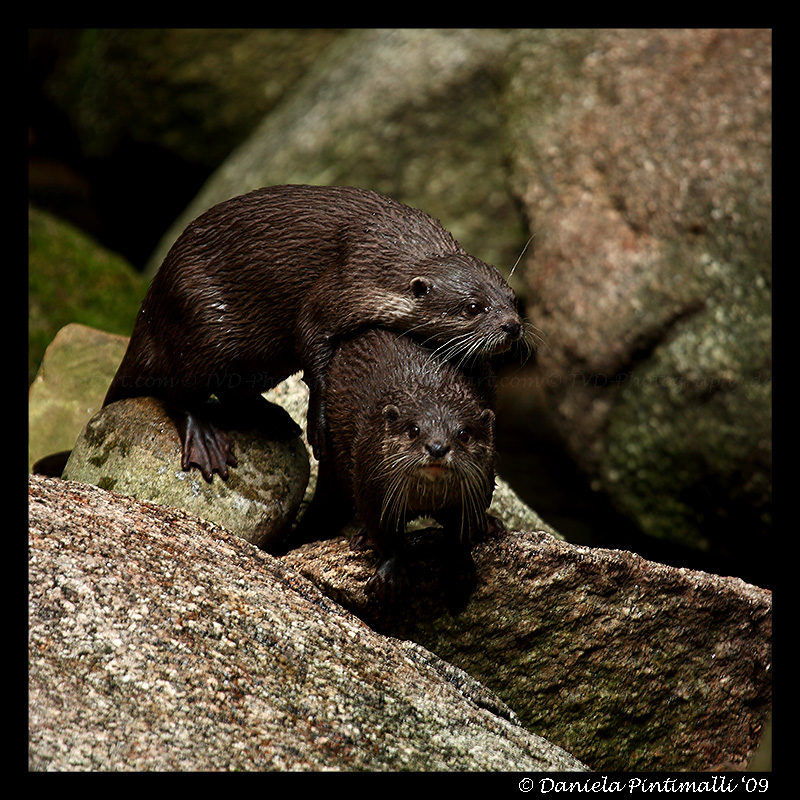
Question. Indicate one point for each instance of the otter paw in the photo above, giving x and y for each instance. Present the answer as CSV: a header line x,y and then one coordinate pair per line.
x,y
208,448
390,582
495,528
361,541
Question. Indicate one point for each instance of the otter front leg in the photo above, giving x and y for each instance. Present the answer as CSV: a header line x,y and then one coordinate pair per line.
x,y
316,348
316,423
390,580
458,576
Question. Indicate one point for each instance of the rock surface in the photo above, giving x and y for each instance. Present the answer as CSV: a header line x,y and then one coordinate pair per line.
x,y
626,663
132,446
160,642
642,159
194,92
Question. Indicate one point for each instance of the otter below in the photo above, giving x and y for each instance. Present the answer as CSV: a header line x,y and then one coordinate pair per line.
x,y
263,285
411,435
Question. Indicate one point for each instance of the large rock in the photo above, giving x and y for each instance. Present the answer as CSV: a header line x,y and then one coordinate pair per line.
x,y
410,113
161,642
626,663
194,92
643,163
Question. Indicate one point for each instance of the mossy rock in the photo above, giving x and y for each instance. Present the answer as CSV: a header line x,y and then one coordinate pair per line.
x,y
73,279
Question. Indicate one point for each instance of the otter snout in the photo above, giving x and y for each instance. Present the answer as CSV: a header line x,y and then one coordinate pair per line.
x,y
437,449
512,330
512,327
437,467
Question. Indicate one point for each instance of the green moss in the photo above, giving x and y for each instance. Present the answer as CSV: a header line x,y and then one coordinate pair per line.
x,y
107,483
72,279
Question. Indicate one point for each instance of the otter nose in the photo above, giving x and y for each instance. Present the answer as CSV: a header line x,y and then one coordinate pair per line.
x,y
512,327
437,449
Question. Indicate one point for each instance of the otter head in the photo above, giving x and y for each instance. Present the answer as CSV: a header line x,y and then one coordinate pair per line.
x,y
466,308
436,456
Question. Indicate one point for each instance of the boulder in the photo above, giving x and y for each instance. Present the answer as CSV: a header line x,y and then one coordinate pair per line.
x,y
628,664
158,641
132,446
643,162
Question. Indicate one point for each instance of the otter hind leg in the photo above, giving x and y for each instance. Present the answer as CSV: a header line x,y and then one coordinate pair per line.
x,y
207,447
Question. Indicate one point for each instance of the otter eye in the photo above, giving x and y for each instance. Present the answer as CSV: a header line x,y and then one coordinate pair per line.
x,y
413,431
473,309
463,435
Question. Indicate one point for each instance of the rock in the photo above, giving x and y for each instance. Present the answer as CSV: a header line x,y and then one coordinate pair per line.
x,y
150,113
72,279
628,664
133,447
642,159
400,111
158,641
194,92
69,387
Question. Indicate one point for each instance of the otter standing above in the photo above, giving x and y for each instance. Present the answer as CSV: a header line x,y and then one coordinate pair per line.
x,y
265,284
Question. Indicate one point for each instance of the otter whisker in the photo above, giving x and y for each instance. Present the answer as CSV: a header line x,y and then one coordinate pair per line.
x,y
519,257
533,336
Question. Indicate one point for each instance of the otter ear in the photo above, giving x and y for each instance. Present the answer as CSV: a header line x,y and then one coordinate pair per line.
x,y
391,413
421,286
487,418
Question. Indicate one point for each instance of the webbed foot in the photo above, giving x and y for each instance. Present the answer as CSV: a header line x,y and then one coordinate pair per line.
x,y
207,447
390,581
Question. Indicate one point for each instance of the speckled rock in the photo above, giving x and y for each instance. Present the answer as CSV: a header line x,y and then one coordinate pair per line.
x,y
628,664
643,160
158,641
132,446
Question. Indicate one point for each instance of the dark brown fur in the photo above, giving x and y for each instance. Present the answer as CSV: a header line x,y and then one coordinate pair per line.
x,y
410,436
264,285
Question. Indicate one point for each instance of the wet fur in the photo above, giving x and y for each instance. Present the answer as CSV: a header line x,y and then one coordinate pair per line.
x,y
382,387
265,284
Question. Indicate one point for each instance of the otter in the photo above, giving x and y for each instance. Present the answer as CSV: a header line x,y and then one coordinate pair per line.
x,y
411,436
265,284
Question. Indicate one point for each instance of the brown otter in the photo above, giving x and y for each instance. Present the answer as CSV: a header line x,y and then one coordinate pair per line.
x,y
410,435
264,284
